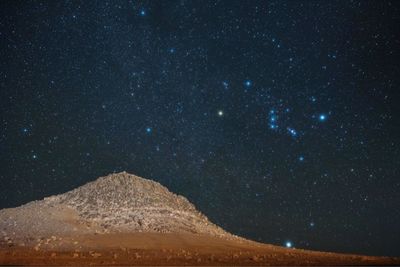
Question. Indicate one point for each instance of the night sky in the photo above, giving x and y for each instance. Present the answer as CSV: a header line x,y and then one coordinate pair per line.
x,y
278,119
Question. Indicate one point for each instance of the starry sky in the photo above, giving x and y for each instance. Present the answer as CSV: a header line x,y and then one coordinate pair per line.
x,y
278,119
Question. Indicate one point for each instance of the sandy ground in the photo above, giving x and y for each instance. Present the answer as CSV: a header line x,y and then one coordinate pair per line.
x,y
170,249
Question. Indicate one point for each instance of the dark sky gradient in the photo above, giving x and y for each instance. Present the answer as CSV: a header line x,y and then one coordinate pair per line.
x,y
278,119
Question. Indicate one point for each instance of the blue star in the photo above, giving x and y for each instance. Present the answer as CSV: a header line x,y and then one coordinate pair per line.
x,y
312,224
172,50
247,83
34,156
322,117
292,132
25,130
142,12
301,158
225,84
148,130
288,244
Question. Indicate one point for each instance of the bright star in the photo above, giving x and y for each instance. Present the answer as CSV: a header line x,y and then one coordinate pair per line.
x,y
322,117
247,83
312,224
292,132
288,244
301,158
34,156
142,12
148,130
220,113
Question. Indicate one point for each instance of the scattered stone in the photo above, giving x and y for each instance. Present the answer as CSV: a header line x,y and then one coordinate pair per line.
x,y
94,254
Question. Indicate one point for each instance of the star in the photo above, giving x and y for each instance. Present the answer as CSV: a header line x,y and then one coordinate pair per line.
x,y
292,132
34,156
312,224
148,130
322,117
142,12
220,113
247,83
301,158
288,244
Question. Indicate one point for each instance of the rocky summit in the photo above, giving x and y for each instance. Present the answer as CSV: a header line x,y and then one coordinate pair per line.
x,y
125,202
119,202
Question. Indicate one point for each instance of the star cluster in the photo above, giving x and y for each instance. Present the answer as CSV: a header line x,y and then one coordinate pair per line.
x,y
279,120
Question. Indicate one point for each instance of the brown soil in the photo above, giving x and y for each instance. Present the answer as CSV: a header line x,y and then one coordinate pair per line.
x,y
171,249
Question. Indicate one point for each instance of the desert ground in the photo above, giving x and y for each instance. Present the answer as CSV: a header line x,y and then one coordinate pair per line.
x,y
171,249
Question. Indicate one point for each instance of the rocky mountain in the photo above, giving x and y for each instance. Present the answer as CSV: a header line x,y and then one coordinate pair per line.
x,y
119,202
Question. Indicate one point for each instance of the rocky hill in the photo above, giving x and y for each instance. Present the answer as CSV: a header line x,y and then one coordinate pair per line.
x,y
125,202
119,202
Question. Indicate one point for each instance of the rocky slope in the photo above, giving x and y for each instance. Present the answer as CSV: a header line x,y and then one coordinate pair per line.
x,y
119,202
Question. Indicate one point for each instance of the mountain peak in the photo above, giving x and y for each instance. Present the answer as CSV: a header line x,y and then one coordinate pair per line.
x,y
122,202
